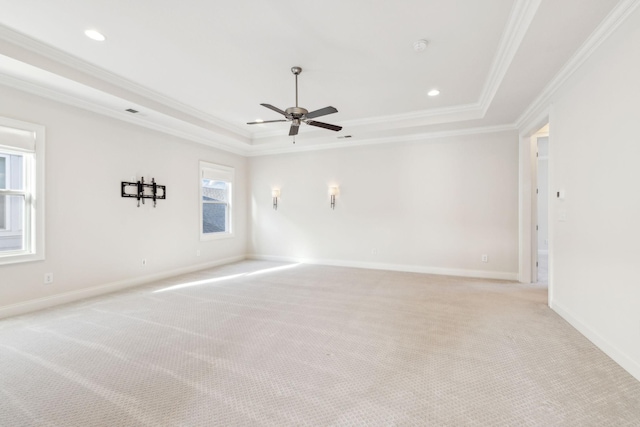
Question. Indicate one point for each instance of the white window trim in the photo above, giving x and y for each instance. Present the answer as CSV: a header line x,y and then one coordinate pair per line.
x,y
226,174
7,217
8,229
34,171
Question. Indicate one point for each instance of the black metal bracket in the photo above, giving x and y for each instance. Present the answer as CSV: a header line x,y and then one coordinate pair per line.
x,y
144,191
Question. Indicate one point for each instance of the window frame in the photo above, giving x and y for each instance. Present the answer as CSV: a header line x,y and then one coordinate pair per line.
x,y
6,227
219,173
8,230
33,191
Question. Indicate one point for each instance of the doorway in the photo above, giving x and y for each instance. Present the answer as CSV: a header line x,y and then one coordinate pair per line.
x,y
532,196
542,208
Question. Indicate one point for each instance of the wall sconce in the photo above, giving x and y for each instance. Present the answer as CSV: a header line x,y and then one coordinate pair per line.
x,y
332,192
275,193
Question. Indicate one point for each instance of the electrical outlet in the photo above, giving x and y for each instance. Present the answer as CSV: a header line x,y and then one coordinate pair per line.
x,y
485,258
144,262
48,278
374,251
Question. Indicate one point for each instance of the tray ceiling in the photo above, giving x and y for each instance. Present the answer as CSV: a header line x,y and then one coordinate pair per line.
x,y
199,70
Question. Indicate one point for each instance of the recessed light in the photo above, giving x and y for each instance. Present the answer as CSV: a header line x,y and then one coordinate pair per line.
x,y
259,120
433,92
95,35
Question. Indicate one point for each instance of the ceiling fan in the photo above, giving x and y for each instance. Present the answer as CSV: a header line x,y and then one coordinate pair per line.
x,y
297,115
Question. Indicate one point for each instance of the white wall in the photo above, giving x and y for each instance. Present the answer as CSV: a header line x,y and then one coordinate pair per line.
x,y
94,237
594,154
433,206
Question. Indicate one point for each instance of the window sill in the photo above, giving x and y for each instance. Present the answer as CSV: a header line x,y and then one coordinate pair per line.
x,y
216,236
19,258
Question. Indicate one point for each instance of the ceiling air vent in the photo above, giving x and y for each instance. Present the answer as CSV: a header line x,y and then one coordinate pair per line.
x,y
131,110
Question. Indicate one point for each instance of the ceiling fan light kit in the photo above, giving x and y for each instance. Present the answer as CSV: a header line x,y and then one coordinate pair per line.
x,y
297,115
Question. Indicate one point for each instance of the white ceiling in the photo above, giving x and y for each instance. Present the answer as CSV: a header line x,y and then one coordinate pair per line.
x,y
200,69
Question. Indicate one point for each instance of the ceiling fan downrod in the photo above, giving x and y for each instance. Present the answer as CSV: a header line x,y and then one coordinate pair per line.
x,y
296,71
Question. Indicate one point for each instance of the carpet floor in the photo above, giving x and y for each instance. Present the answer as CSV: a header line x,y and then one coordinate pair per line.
x,y
272,344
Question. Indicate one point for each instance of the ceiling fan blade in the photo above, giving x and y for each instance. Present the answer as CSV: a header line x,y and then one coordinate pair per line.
x,y
276,109
294,129
321,112
266,121
324,125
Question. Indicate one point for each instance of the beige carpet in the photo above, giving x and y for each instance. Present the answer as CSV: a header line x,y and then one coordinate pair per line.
x,y
258,343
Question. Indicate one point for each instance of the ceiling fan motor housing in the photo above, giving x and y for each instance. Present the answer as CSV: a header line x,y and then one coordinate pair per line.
x,y
296,112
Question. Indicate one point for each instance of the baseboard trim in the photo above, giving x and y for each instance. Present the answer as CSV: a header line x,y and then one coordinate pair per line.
x,y
481,274
618,356
66,297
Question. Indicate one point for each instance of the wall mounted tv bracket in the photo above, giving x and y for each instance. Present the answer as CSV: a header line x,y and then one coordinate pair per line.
x,y
145,191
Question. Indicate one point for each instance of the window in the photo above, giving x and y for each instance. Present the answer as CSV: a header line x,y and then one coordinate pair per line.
x,y
216,196
11,178
21,191
4,211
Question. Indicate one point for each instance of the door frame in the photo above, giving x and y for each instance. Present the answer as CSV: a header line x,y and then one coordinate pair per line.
x,y
528,209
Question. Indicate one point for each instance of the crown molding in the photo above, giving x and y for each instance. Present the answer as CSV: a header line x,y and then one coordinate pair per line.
x,y
612,22
230,145
520,19
44,50
533,125
274,149
398,121
216,141
468,111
